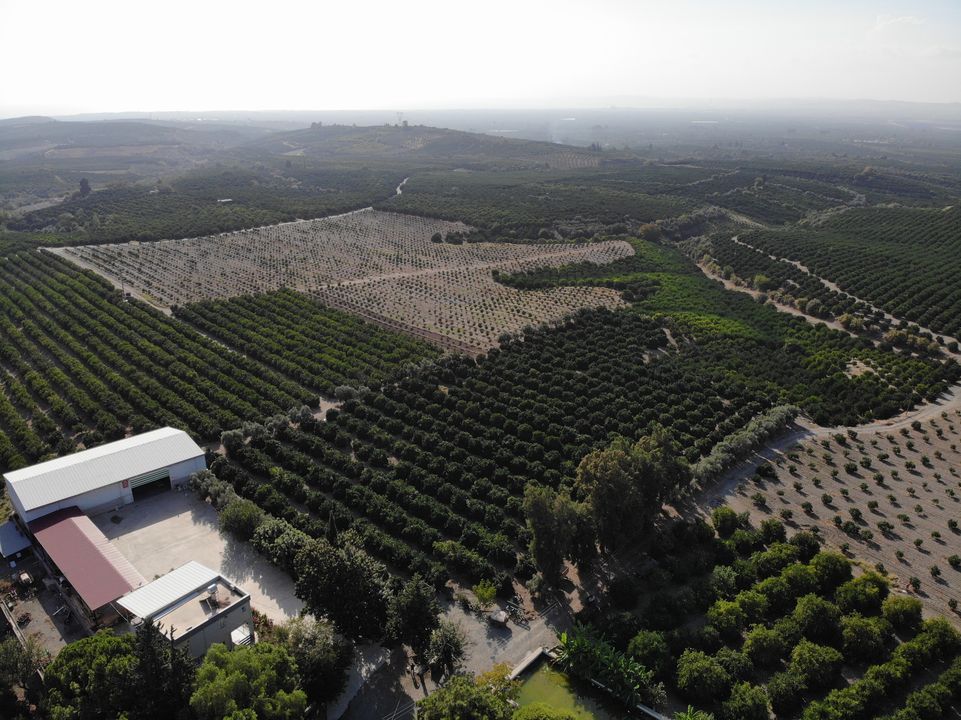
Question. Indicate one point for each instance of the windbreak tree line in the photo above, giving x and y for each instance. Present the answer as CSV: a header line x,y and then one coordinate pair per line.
x,y
323,561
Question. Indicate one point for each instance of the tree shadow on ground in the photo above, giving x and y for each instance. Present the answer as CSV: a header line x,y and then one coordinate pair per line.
x,y
389,692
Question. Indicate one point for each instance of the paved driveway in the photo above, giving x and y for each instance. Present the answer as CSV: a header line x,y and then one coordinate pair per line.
x,y
165,531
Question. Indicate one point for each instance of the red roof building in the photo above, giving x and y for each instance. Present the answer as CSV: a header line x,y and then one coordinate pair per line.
x,y
94,568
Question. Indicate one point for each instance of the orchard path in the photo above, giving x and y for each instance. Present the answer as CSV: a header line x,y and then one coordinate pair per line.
x,y
789,309
804,428
830,285
560,252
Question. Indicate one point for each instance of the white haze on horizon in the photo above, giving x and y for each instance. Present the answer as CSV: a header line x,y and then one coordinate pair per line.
x,y
61,57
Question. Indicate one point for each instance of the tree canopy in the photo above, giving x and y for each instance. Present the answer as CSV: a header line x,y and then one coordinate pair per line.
x,y
412,614
138,676
446,647
322,655
259,682
560,528
626,483
345,585
461,697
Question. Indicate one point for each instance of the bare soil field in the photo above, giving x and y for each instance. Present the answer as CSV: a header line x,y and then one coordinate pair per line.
x,y
889,496
380,265
466,304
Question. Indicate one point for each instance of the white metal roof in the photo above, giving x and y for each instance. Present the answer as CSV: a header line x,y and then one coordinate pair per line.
x,y
145,602
81,472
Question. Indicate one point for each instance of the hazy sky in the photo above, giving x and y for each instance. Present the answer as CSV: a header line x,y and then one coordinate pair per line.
x,y
124,55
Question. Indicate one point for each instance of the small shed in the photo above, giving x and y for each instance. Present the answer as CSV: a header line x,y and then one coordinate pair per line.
x,y
12,539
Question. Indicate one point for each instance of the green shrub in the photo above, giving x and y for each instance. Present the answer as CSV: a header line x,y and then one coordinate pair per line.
x,y
785,690
817,618
747,702
817,666
241,518
728,617
701,677
864,639
863,594
765,646
904,613
725,521
650,649
831,569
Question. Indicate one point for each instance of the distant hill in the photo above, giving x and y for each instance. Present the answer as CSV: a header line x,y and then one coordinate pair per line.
x,y
43,159
38,133
26,120
431,146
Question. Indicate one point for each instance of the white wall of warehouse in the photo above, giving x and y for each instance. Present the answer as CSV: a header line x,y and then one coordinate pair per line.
x,y
90,502
181,472
109,497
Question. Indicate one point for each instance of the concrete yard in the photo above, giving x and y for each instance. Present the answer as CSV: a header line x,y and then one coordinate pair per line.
x,y
48,619
163,532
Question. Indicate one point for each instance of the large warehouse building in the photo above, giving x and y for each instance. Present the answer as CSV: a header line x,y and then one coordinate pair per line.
x,y
104,477
53,500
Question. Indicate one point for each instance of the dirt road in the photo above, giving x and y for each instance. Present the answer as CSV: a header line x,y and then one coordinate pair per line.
x,y
804,429
833,286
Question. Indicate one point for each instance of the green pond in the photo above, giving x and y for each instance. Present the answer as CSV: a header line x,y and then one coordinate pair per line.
x,y
543,684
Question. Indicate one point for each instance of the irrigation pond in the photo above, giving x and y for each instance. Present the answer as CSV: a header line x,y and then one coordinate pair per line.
x,y
540,683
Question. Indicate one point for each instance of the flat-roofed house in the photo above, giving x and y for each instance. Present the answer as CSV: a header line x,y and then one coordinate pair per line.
x,y
195,607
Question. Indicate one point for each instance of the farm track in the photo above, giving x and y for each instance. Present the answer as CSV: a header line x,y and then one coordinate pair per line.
x,y
728,487
805,429
789,309
484,265
833,286
111,278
